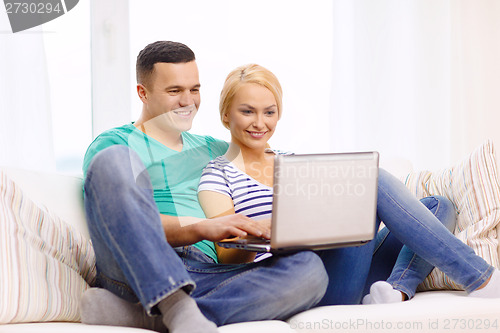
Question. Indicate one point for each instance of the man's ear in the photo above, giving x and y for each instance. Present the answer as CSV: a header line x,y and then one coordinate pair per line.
x,y
142,92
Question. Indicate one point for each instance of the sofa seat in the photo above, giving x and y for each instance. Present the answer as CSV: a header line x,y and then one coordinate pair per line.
x,y
269,326
432,311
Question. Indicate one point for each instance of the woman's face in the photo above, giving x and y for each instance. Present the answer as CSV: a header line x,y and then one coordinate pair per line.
x,y
252,116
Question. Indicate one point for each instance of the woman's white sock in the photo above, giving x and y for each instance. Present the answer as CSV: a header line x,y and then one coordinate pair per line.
x,y
382,292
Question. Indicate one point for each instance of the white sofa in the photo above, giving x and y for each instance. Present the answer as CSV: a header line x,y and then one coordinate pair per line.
x,y
434,311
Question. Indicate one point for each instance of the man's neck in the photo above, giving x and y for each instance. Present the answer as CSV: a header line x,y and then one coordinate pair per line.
x,y
170,139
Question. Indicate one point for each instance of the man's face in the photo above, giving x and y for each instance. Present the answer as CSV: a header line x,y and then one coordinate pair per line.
x,y
172,96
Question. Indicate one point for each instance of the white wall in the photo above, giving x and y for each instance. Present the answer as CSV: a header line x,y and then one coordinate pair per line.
x,y
110,64
391,79
475,59
415,78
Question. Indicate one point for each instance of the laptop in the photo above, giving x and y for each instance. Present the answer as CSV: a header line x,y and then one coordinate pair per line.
x,y
320,201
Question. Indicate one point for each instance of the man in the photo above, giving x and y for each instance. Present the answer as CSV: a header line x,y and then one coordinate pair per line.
x,y
153,245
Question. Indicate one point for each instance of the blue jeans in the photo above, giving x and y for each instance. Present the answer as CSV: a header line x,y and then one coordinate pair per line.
x,y
413,224
396,263
135,262
416,227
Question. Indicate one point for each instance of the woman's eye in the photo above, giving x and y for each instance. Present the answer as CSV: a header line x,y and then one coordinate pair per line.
x,y
270,113
246,111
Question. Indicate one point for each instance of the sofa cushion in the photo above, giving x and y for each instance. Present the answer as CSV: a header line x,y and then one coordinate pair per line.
x,y
472,185
45,263
62,194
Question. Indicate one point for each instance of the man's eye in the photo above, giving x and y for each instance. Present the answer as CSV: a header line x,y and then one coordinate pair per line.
x,y
175,91
195,91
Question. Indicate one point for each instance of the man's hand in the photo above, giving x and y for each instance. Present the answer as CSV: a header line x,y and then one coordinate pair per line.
x,y
236,225
180,233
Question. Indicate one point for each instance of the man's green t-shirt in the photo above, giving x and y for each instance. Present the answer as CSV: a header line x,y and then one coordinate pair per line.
x,y
174,175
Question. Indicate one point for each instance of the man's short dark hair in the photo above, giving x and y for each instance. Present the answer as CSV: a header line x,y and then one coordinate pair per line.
x,y
161,51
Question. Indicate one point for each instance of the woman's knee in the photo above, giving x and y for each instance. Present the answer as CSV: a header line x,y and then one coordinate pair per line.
x,y
443,209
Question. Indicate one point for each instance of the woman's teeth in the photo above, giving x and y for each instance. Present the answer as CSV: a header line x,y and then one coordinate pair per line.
x,y
257,134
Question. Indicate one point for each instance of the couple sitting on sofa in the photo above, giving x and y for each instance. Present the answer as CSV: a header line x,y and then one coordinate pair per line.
x,y
154,244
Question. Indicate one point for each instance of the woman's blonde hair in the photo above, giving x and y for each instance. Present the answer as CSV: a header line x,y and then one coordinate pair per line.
x,y
251,73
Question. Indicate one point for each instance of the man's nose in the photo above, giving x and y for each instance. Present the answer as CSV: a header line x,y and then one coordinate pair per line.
x,y
187,98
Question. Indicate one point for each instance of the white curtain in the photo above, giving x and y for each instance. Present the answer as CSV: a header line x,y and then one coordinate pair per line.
x,y
25,126
415,79
475,78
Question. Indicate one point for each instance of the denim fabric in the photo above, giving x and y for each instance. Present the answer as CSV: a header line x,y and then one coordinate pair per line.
x,y
417,227
274,288
347,270
412,223
133,259
396,263
135,262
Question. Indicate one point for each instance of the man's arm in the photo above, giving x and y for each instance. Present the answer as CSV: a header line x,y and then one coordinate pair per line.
x,y
219,206
182,231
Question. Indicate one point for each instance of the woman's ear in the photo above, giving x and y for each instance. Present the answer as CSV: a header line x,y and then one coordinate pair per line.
x,y
225,118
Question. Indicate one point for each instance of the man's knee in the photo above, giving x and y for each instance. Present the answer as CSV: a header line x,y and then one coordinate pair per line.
x,y
311,278
117,165
112,158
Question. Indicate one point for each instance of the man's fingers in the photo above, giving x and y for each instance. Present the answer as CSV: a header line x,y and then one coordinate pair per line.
x,y
256,229
260,228
236,232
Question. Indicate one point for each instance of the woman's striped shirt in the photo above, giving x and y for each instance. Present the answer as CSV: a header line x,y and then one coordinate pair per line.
x,y
250,197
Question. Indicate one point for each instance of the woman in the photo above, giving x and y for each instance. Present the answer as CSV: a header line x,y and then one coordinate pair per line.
x,y
241,182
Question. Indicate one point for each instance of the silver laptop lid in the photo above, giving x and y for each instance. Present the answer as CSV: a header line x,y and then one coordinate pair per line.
x,y
324,199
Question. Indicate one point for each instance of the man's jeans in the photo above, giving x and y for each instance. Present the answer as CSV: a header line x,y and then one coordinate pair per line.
x,y
135,261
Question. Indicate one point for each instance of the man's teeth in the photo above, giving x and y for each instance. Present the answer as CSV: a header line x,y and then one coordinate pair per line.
x,y
182,113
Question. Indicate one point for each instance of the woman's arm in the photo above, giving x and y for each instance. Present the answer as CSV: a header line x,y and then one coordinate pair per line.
x,y
217,205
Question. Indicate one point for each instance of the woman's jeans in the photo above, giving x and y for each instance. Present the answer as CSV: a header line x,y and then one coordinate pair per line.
x,y
407,270
413,224
135,261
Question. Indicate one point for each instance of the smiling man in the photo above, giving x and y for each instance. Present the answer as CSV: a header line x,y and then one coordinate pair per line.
x,y
154,246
